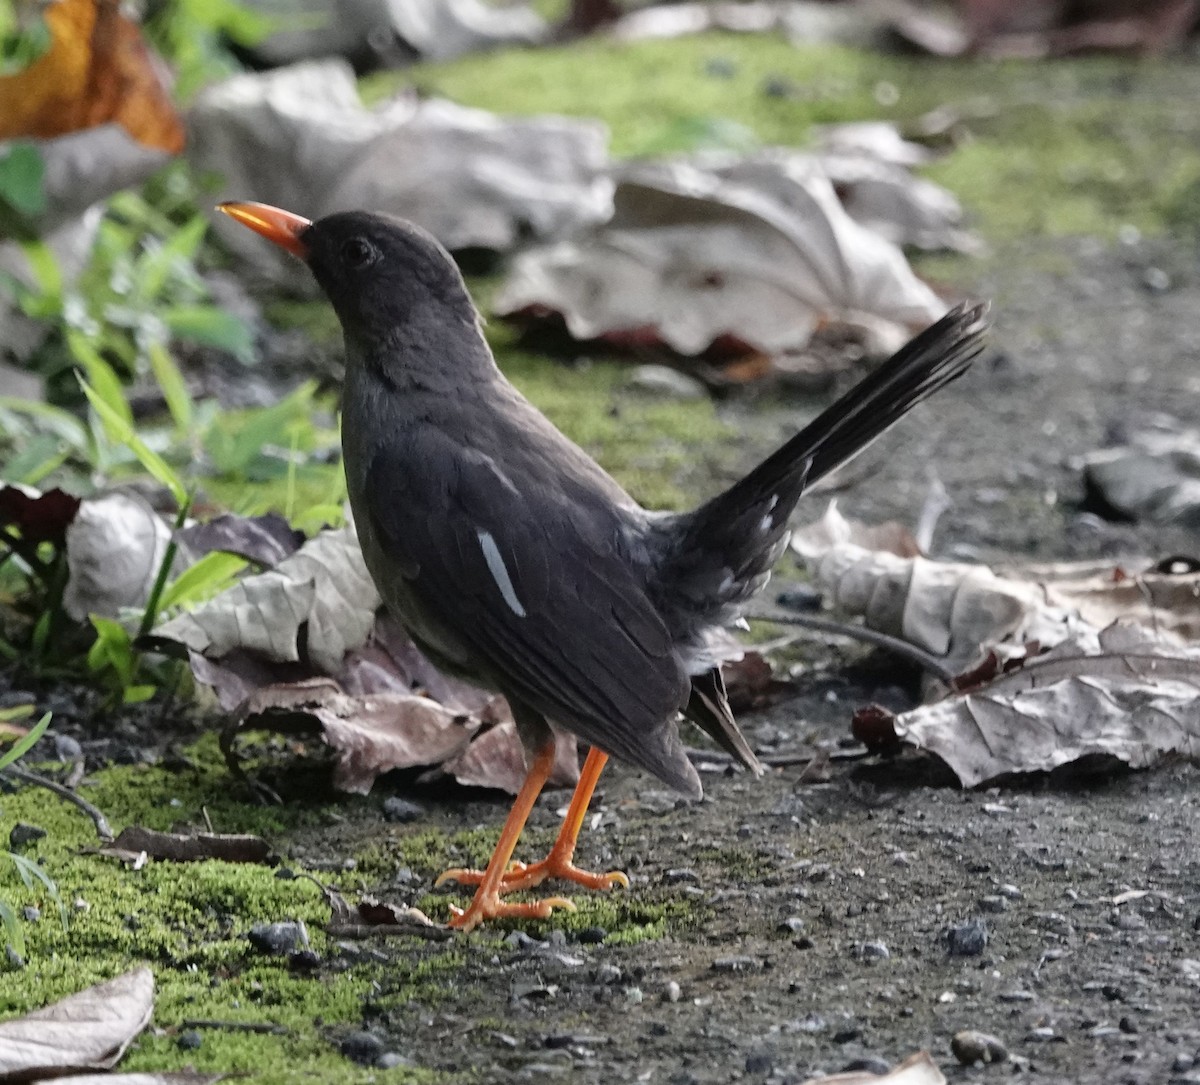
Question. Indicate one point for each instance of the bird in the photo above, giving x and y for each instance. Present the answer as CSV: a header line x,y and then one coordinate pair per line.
x,y
514,560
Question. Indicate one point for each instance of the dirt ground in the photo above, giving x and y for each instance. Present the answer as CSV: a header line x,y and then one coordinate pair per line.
x,y
820,904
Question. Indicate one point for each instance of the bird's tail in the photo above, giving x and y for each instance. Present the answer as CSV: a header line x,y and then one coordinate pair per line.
x,y
722,553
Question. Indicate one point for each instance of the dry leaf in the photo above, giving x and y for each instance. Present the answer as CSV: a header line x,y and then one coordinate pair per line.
x,y
85,1031
1154,477
693,256
96,70
38,517
115,547
324,587
1122,695
264,540
959,610
300,138
919,1069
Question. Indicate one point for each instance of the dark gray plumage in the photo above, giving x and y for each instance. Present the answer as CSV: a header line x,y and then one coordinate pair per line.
x,y
513,558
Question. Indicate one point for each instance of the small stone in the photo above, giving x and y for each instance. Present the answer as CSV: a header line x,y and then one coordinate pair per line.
x,y
994,905
792,925
608,974
23,834
869,1064
1182,1063
189,1040
304,960
592,936
802,598
662,380
779,86
1128,1026
1041,1035
720,67
745,832
967,939
276,939
760,1062
681,874
31,914
737,964
389,1060
1010,891
518,939
672,992
971,1046
66,748
1156,280
872,951
402,810
634,996
847,1035
1130,921
363,1048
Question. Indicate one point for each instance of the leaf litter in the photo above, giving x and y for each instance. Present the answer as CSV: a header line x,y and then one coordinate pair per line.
x,y
1063,665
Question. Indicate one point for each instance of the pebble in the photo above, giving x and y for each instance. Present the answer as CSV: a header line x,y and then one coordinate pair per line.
x,y
680,874
389,1060
362,1047
1041,1035
189,1040
720,67
402,810
592,936
792,925
518,939
23,833
304,960
66,748
994,905
737,964
1156,280
662,380
1130,921
276,938
31,914
971,1046
1010,891
608,974
672,992
760,1062
967,939
872,951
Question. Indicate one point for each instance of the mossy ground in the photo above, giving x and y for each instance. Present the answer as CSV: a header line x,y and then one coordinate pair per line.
x,y
1054,150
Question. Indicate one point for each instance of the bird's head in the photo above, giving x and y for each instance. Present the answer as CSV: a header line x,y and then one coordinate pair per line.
x,y
385,277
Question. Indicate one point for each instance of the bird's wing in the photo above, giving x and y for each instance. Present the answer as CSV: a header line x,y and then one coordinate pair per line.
x,y
539,590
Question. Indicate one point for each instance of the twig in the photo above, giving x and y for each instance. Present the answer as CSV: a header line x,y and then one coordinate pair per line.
x,y
25,776
776,760
927,661
267,1027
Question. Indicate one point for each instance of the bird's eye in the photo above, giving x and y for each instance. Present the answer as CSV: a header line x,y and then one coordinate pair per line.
x,y
358,253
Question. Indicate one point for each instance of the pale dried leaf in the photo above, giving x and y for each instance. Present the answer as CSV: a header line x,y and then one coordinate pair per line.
x,y
1122,695
178,1077
1154,477
918,1069
324,586
692,256
300,138
957,609
85,1031
115,547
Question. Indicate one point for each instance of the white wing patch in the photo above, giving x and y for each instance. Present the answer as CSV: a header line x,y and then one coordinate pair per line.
x,y
499,571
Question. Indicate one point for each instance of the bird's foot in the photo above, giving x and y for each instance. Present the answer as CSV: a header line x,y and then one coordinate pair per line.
x,y
519,876
488,905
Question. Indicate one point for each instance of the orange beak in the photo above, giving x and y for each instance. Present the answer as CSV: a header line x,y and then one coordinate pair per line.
x,y
274,224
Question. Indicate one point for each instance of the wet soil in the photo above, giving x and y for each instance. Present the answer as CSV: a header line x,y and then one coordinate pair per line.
x,y
857,914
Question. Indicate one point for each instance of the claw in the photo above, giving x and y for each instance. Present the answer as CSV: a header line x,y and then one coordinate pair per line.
x,y
487,906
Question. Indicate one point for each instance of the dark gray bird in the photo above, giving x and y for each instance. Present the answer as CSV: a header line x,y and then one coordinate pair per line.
x,y
513,559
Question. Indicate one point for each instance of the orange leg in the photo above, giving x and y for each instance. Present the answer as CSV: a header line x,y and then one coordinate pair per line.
x,y
558,863
487,903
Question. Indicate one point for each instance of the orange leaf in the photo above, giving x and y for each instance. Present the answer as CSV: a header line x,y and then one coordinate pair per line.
x,y
96,71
